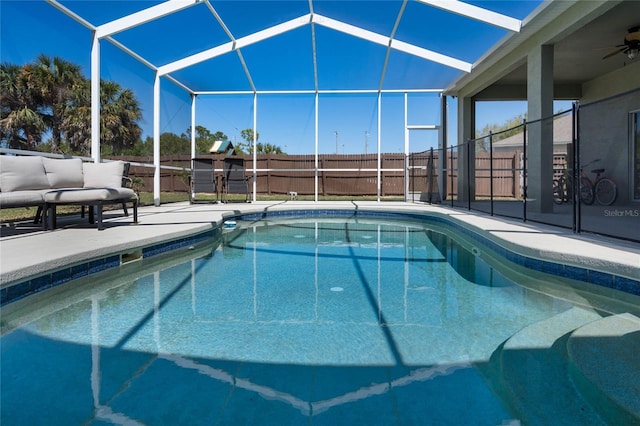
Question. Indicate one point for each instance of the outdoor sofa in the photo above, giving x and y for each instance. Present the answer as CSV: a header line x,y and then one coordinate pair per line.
x,y
47,183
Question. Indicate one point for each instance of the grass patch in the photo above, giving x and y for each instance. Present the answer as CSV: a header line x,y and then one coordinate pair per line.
x,y
28,213
146,199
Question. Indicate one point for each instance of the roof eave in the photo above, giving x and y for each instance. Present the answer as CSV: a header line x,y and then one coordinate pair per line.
x,y
545,25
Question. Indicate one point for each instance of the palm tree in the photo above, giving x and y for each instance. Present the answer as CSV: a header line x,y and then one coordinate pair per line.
x,y
21,123
119,114
55,80
76,123
52,95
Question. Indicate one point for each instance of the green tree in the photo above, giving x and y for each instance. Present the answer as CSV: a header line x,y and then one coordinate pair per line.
x,y
172,144
261,148
55,79
267,148
205,139
141,148
246,147
50,95
77,120
21,124
509,127
119,116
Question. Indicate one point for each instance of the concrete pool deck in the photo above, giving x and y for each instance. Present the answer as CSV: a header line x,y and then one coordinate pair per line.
x,y
27,251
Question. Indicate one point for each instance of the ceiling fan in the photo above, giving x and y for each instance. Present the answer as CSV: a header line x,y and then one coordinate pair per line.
x,y
631,45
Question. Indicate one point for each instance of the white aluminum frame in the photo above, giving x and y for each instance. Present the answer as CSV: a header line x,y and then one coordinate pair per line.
x,y
316,168
105,31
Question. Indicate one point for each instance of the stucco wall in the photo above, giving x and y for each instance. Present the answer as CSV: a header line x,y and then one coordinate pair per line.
x,y
604,133
619,81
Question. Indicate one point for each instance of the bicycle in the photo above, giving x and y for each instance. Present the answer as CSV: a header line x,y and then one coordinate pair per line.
x,y
601,189
561,188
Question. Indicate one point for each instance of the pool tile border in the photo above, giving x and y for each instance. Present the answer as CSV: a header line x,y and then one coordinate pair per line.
x,y
599,278
55,278
52,279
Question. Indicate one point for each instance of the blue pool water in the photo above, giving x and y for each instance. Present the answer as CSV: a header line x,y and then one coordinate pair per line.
x,y
292,322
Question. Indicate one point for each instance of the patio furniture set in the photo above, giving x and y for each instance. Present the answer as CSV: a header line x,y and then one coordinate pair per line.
x,y
47,183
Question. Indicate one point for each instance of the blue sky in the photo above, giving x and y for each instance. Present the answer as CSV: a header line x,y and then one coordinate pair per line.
x,y
284,62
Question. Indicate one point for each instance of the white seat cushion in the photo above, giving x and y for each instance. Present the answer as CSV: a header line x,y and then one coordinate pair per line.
x,y
103,175
65,173
88,195
22,174
21,198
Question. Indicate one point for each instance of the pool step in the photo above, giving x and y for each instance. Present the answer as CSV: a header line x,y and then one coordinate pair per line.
x,y
533,367
604,361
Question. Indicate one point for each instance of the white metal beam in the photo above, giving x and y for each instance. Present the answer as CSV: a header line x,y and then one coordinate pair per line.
x,y
320,20
315,157
430,55
181,85
406,146
196,58
391,36
226,29
233,45
314,51
216,15
477,13
379,164
394,44
350,29
95,99
193,125
255,149
144,16
273,31
71,14
156,140
130,52
247,73
311,92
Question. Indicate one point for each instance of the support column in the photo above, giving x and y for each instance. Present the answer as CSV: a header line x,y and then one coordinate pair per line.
x,y
406,147
193,125
379,180
466,132
255,143
95,99
540,139
442,149
315,158
156,141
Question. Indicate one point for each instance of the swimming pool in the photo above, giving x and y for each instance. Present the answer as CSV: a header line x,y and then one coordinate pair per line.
x,y
305,320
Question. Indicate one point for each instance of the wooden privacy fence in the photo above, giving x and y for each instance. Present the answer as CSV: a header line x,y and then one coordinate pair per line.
x,y
171,180
502,172
505,171
282,174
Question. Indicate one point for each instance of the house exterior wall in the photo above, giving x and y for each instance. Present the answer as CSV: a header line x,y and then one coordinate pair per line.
x,y
620,81
605,134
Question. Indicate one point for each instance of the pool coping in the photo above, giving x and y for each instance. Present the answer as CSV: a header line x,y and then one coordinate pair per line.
x,y
592,259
